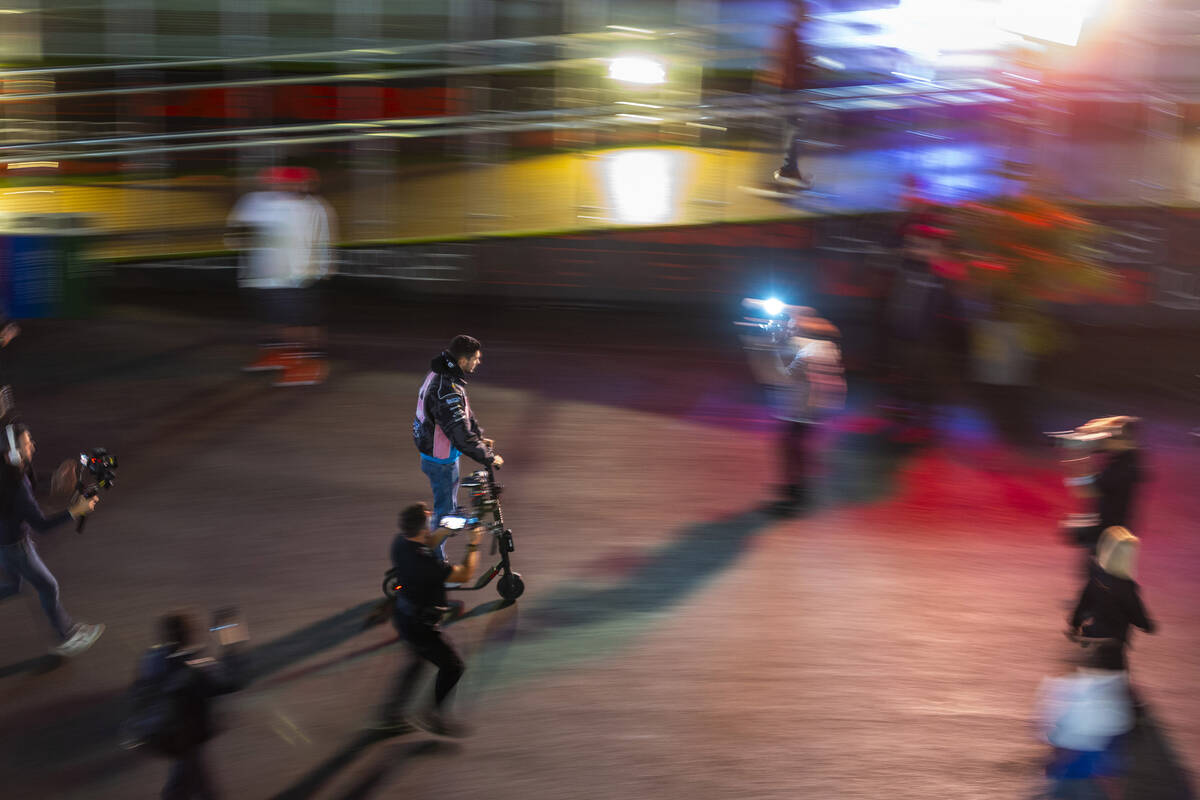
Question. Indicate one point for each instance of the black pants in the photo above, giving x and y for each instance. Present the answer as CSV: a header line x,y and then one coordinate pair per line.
x,y
795,446
189,777
423,644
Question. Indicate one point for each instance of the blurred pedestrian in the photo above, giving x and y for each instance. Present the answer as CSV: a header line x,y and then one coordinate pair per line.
x,y
285,231
1085,716
1111,602
19,559
792,71
1111,488
173,695
801,371
923,320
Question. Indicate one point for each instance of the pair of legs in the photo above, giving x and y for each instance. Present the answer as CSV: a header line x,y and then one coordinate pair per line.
x,y
443,479
293,340
796,450
189,777
790,172
20,562
422,644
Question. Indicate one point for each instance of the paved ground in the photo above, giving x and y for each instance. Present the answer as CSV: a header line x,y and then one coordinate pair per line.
x,y
674,640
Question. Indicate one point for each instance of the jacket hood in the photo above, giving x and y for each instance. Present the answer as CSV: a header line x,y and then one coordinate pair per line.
x,y
443,364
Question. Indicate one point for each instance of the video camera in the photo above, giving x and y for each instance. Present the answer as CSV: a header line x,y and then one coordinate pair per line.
x,y
766,323
100,465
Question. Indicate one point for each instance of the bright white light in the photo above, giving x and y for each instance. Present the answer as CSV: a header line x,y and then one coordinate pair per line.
x,y
640,184
633,69
927,29
773,306
1060,21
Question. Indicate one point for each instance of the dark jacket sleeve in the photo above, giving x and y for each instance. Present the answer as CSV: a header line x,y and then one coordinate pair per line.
x,y
1135,611
30,512
450,414
1085,602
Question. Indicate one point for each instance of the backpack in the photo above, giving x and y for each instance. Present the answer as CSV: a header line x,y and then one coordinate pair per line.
x,y
156,721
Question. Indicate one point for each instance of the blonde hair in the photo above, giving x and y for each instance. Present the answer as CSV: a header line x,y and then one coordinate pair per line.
x,y
1117,552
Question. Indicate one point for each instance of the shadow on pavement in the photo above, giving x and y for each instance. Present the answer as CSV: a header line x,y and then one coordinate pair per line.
x,y
1156,771
273,656
671,574
38,665
316,779
389,761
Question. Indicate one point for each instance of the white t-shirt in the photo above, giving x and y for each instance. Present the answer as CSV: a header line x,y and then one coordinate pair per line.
x,y
1084,711
290,244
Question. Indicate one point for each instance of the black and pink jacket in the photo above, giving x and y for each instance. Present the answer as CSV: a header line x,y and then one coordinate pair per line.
x,y
444,426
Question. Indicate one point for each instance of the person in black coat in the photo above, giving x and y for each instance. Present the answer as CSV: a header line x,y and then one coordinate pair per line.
x,y
1117,482
180,669
1110,602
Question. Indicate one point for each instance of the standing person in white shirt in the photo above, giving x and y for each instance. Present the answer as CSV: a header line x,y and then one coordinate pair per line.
x,y
286,233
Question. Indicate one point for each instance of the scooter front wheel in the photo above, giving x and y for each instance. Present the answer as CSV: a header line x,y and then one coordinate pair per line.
x,y
510,586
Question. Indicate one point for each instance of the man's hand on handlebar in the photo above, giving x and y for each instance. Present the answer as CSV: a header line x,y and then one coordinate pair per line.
x,y
497,461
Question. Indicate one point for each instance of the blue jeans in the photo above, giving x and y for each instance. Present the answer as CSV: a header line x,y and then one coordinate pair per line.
x,y
443,478
21,560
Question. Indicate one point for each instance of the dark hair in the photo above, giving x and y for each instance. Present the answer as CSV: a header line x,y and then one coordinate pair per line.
x,y
413,518
178,627
463,346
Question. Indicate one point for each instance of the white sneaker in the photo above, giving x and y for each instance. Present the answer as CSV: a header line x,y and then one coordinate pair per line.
x,y
82,637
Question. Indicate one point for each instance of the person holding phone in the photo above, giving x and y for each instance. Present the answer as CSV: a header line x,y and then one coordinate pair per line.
x,y
420,573
173,696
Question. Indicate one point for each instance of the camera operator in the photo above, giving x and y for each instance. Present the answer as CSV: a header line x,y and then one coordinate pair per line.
x,y
445,427
19,559
802,371
421,572
175,688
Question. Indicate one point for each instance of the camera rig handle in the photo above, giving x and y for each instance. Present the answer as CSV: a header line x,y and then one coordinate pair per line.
x,y
85,492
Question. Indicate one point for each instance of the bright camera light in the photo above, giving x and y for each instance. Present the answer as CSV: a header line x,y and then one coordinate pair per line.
x,y
773,306
637,70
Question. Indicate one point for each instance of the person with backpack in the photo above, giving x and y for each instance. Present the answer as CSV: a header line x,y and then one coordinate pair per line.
x,y
172,701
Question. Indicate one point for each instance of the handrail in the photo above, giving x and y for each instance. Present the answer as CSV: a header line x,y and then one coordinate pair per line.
x,y
772,104
697,116
403,50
